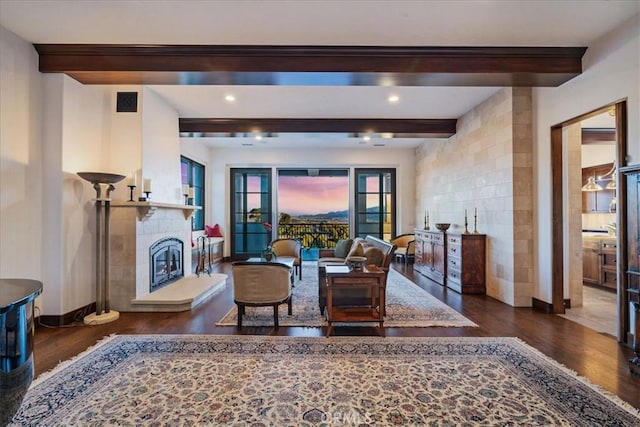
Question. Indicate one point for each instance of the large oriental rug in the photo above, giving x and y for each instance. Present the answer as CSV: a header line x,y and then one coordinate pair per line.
x,y
408,305
293,381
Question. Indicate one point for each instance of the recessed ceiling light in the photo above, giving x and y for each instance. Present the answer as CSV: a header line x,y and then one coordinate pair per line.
x,y
366,138
393,99
229,98
258,137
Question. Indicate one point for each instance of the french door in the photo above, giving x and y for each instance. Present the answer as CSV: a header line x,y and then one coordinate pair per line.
x,y
375,203
251,214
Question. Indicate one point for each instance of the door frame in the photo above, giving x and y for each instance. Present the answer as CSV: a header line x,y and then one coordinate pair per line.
x,y
558,201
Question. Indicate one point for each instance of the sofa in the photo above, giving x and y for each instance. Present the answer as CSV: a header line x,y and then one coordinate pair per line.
x,y
377,251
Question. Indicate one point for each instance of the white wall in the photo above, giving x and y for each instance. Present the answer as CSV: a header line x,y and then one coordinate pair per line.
x,y
402,159
611,67
21,158
161,148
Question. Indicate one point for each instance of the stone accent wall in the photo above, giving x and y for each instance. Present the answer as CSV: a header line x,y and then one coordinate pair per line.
x,y
572,137
131,239
487,165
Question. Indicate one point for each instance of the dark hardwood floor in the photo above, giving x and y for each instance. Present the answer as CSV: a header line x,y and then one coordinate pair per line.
x,y
595,356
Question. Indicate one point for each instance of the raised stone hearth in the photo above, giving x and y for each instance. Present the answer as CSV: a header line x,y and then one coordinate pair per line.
x,y
135,227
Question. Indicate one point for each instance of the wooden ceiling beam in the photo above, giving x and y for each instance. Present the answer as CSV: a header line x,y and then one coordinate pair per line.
x,y
425,128
599,136
367,65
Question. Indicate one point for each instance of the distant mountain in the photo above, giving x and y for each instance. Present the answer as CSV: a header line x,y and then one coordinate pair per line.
x,y
334,215
341,216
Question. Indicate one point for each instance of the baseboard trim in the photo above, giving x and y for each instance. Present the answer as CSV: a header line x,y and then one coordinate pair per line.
x,y
541,306
545,307
65,319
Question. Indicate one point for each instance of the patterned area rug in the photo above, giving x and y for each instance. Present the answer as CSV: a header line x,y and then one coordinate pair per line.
x,y
408,305
293,381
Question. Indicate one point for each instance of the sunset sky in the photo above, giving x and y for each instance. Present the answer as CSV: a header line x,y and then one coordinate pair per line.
x,y
312,194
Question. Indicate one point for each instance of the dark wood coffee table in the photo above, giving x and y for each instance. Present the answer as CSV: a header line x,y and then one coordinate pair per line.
x,y
370,277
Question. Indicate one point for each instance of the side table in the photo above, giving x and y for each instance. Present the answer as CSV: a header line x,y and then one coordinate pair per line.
x,y
369,277
16,342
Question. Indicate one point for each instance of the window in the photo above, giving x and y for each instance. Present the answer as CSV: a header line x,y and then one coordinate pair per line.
x,y
193,176
375,202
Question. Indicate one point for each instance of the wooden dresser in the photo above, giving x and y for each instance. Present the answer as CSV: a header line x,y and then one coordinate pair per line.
x,y
455,260
430,254
466,263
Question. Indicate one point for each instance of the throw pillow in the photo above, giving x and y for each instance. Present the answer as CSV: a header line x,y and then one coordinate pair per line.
x,y
342,248
374,256
213,231
356,249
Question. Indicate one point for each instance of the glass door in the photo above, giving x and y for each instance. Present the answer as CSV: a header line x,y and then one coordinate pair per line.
x,y
250,212
375,203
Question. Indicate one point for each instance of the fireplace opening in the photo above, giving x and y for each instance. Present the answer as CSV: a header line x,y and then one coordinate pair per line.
x,y
165,258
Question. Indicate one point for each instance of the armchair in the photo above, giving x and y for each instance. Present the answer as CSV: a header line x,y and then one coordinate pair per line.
x,y
259,284
290,248
405,247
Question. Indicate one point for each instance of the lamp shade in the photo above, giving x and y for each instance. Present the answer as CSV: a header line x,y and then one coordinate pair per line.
x,y
592,185
612,184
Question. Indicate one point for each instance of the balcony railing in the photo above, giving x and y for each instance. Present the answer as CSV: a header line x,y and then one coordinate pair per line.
x,y
315,234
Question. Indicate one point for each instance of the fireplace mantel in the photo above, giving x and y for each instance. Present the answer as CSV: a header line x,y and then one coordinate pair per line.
x,y
147,209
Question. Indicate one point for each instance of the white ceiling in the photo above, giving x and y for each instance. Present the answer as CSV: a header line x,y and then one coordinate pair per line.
x,y
309,22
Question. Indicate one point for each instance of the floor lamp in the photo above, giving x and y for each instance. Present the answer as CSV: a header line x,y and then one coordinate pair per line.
x,y
102,182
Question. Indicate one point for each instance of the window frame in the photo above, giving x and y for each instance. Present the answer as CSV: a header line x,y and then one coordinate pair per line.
x,y
199,199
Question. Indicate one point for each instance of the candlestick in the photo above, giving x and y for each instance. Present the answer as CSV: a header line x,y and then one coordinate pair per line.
x,y
131,187
466,230
475,221
426,221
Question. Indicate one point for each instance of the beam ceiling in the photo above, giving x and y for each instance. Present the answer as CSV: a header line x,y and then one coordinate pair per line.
x,y
359,65
314,66
423,128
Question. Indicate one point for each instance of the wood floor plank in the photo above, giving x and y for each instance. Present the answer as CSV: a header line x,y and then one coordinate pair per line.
x,y
598,357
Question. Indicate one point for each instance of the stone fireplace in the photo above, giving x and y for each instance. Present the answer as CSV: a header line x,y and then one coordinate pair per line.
x,y
165,262
147,245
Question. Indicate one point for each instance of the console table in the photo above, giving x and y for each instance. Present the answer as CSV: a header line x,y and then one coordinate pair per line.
x,y
16,342
456,261
370,277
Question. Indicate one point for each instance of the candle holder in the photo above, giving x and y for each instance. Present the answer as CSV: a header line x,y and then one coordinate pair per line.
x,y
475,222
426,222
146,193
466,230
131,187
186,199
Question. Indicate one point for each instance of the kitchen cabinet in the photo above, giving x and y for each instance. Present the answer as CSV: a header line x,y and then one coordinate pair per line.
x,y
597,201
591,261
599,263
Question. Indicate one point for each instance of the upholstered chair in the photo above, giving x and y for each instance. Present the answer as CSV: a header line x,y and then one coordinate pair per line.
x,y
405,247
289,248
257,284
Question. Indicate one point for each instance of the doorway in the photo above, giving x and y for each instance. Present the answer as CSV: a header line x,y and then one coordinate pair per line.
x,y
603,225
